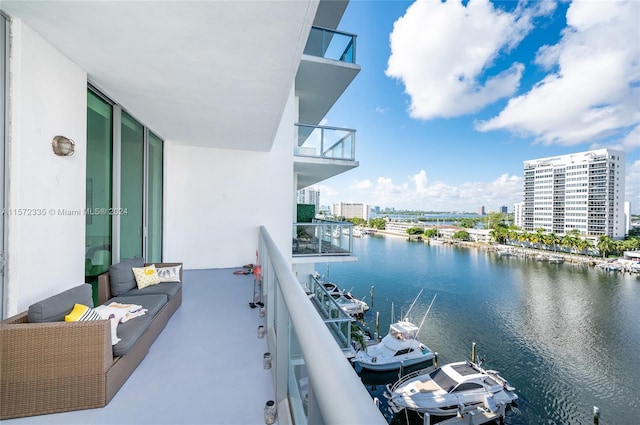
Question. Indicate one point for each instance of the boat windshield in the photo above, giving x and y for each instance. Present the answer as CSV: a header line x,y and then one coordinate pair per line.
x,y
443,380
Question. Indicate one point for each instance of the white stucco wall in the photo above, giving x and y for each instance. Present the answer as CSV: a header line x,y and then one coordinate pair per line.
x,y
47,97
216,200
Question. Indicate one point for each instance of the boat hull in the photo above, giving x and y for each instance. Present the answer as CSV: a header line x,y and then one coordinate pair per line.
x,y
382,366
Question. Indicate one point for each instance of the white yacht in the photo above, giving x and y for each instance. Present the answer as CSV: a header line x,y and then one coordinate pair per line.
x,y
399,348
450,389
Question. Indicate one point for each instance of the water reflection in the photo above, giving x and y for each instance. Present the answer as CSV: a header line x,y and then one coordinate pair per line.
x,y
566,336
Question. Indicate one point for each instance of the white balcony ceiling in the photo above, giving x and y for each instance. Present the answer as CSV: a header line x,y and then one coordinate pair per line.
x,y
202,73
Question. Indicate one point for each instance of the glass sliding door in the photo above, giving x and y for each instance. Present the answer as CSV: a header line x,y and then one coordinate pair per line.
x,y
154,198
130,211
124,188
98,186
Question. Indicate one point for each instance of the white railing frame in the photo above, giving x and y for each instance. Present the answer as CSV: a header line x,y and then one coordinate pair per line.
x,y
335,389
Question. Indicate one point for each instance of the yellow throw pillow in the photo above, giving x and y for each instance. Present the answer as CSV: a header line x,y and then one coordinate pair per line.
x,y
146,276
81,313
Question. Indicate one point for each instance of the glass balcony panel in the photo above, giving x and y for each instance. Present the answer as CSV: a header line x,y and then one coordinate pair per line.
x,y
330,44
298,382
325,142
322,238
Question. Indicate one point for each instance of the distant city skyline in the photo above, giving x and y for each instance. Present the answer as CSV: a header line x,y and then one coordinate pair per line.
x,y
454,96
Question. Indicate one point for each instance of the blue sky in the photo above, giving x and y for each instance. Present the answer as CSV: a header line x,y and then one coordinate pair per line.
x,y
454,96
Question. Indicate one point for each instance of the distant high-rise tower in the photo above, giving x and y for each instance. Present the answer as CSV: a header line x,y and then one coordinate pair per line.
x,y
309,196
518,210
351,210
583,191
481,210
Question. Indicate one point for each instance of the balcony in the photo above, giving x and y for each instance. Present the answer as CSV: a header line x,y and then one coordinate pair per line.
x,y
323,239
327,68
212,339
322,152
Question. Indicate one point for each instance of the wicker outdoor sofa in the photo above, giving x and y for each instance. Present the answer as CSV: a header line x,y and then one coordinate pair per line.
x,y
58,366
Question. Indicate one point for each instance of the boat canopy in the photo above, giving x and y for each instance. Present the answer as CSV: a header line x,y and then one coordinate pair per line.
x,y
403,330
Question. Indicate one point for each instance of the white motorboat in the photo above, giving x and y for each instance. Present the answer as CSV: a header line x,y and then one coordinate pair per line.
x,y
450,389
399,348
349,304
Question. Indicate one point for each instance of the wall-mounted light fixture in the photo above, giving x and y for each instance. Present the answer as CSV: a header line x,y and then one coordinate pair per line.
x,y
63,146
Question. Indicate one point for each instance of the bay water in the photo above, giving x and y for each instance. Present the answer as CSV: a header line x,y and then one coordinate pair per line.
x,y
566,336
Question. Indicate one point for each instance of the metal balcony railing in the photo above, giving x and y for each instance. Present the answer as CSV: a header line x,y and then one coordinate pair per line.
x,y
311,374
322,238
338,322
331,44
325,142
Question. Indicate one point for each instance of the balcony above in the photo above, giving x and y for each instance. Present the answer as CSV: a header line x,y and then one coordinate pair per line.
x,y
322,152
326,70
331,240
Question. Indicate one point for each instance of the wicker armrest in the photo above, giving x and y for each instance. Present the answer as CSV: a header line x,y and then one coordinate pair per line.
x,y
53,367
31,350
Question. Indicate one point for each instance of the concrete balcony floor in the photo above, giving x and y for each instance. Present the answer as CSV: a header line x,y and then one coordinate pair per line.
x,y
206,366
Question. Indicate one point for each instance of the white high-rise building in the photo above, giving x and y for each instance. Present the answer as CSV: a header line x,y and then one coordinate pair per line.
x,y
518,209
351,210
309,196
583,191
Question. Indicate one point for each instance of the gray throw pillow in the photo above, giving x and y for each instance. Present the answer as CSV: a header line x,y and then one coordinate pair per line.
x,y
53,309
121,275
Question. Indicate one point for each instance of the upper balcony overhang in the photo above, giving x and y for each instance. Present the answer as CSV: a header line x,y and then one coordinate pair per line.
x,y
195,72
321,152
327,68
311,170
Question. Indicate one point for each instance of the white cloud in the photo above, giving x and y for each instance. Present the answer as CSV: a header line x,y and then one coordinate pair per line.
x,y
381,110
442,50
632,186
417,194
593,92
326,191
420,180
361,184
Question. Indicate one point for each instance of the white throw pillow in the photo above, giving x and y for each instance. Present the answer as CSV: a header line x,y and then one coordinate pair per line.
x,y
169,274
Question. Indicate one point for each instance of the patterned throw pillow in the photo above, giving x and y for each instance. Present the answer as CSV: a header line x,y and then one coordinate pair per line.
x,y
146,276
82,313
169,274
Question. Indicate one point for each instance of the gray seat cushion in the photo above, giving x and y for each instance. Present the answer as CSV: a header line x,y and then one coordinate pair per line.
x,y
165,288
152,302
129,332
121,275
53,309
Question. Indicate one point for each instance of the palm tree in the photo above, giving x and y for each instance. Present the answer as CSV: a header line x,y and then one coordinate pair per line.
x,y
552,239
499,234
524,237
605,245
571,240
585,244
537,237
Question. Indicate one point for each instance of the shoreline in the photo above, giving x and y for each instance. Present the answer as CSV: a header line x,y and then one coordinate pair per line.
x,y
522,252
